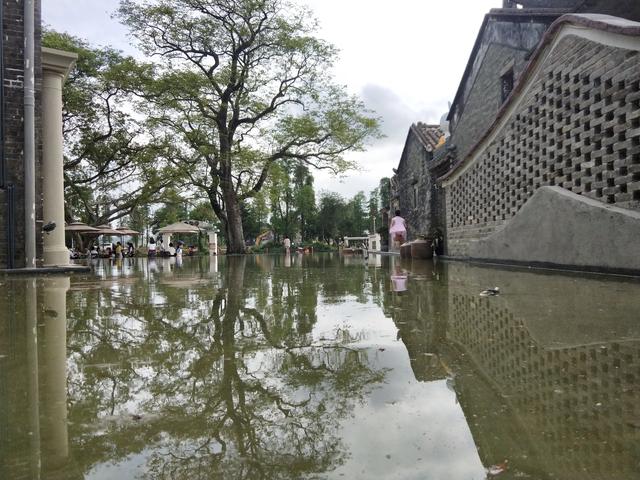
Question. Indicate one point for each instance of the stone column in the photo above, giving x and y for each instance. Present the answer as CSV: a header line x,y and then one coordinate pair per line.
x,y
55,67
53,374
213,243
33,394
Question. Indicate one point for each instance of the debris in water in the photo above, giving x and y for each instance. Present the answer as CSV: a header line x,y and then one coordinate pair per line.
x,y
490,292
494,470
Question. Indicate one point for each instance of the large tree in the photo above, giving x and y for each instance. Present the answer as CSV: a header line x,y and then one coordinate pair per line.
x,y
240,86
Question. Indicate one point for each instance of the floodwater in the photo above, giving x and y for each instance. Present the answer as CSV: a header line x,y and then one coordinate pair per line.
x,y
318,367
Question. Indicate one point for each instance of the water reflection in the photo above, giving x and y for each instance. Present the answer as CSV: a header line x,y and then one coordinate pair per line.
x,y
283,367
547,372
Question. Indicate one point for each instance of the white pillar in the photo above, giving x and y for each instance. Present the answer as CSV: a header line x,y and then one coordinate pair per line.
x,y
55,66
213,243
53,402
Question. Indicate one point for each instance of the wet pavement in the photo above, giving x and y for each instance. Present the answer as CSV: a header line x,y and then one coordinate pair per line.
x,y
318,367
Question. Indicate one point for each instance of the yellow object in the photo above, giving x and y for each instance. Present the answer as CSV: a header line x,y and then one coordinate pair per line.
x,y
263,236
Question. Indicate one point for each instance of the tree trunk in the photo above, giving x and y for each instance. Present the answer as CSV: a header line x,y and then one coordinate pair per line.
x,y
235,234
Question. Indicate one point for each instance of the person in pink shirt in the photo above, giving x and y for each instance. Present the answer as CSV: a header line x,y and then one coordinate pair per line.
x,y
397,230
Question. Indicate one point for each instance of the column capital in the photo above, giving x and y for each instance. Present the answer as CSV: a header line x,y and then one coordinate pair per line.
x,y
57,61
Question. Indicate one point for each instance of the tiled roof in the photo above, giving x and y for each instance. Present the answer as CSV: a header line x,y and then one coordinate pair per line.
x,y
429,135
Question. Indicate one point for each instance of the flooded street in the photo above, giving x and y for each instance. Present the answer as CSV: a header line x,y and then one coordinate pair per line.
x,y
318,367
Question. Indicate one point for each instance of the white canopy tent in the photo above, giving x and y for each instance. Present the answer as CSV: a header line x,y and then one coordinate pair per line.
x,y
179,227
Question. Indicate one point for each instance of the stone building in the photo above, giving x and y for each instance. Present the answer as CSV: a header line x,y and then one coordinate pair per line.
x,y
542,165
12,213
30,150
619,8
414,187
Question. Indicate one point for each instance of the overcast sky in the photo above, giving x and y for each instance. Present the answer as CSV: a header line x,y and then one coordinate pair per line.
x,y
403,57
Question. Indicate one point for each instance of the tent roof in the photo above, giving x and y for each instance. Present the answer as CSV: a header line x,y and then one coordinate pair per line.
x,y
179,227
79,227
107,230
127,231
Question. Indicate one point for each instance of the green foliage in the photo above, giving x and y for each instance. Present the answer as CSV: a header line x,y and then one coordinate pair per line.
x,y
385,192
173,209
253,217
357,219
113,163
202,211
292,200
331,215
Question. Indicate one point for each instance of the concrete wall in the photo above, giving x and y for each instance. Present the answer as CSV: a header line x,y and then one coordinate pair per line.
x,y
576,125
13,123
560,227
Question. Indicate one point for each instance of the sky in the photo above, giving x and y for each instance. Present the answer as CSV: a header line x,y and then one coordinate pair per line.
x,y
404,58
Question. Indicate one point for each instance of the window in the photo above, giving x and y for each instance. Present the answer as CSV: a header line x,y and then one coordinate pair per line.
x,y
506,84
415,196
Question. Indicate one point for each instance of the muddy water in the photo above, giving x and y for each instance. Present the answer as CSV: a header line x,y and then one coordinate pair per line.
x,y
318,367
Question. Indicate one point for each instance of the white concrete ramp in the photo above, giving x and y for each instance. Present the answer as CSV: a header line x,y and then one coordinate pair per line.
x,y
558,227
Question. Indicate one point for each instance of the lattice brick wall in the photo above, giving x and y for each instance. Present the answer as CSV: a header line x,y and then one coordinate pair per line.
x,y
578,128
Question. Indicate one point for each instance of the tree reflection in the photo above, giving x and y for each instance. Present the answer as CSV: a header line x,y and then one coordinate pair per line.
x,y
222,383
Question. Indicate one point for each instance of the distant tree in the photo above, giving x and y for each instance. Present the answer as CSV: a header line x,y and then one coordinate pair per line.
x,y
139,219
202,211
282,200
357,218
244,86
384,190
252,218
331,216
113,164
374,210
305,202
173,209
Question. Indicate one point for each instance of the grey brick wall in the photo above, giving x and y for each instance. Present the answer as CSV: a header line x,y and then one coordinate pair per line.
x,y
578,128
506,44
484,100
13,45
412,175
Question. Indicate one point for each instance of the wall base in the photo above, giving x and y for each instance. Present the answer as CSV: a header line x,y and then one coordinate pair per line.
x,y
560,228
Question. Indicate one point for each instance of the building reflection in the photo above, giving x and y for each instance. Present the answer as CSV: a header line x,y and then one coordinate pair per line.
x,y
34,441
547,372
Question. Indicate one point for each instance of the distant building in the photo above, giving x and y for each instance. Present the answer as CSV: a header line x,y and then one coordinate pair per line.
x,y
414,189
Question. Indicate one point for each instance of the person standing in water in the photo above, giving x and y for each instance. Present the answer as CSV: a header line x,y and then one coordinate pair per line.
x,y
151,247
287,245
397,230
